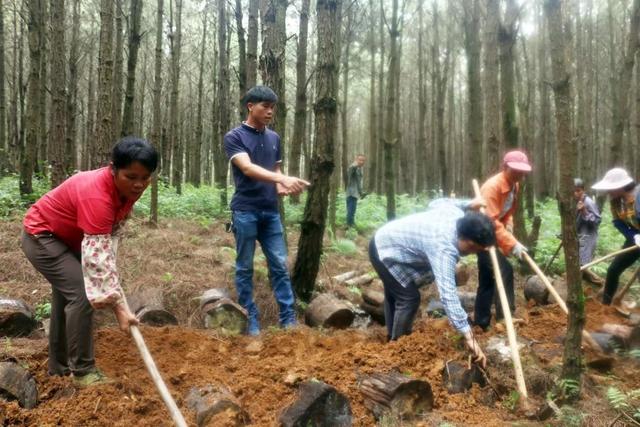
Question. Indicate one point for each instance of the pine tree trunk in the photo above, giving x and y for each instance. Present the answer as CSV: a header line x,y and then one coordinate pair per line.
x,y
314,220
157,112
373,116
223,112
135,11
390,136
422,154
507,43
104,125
196,167
474,121
41,153
252,44
381,111
4,147
88,149
177,160
347,40
242,60
566,150
71,148
116,106
620,102
57,141
300,115
492,89
28,150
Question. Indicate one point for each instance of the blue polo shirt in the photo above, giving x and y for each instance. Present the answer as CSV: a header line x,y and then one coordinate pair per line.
x,y
263,148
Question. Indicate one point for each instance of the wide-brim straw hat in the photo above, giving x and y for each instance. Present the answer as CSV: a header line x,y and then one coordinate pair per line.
x,y
614,179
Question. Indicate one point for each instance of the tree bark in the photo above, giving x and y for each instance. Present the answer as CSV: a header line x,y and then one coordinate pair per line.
x,y
214,404
242,60
492,89
390,132
196,167
28,150
474,122
300,115
57,121
566,151
620,102
71,146
104,119
135,11
176,143
373,116
328,311
507,42
18,383
148,306
252,44
315,212
16,318
4,147
157,112
396,394
116,106
318,404
223,113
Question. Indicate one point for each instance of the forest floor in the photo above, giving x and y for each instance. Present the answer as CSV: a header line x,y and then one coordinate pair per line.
x,y
185,258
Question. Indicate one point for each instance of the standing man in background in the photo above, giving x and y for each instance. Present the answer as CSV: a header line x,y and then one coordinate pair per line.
x,y
354,188
587,223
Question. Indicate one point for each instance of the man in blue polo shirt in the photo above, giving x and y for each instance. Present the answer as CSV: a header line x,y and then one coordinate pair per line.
x,y
254,152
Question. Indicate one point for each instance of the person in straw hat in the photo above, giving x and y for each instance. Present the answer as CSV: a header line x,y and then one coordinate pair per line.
x,y
624,197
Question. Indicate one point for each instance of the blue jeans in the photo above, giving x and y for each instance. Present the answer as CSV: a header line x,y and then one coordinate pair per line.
x,y
266,228
352,204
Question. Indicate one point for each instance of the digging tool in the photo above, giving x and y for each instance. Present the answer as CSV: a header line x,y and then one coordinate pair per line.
x,y
585,335
606,257
555,254
511,333
173,409
617,299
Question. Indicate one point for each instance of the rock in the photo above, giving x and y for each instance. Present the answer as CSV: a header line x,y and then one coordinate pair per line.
x,y
254,347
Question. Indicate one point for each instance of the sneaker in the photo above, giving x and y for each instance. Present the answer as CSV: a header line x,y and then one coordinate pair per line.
x,y
253,330
95,377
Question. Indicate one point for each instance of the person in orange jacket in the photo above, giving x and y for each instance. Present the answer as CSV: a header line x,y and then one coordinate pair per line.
x,y
500,193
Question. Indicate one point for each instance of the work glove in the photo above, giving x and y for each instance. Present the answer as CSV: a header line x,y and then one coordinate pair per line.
x,y
636,240
519,250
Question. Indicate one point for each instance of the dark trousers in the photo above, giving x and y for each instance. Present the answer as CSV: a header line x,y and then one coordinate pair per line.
x,y
352,204
487,288
71,327
620,263
400,303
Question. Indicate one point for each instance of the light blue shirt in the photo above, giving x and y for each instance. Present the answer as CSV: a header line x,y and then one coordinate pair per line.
x,y
427,241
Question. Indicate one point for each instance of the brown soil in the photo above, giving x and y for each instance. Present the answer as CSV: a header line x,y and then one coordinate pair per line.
x,y
186,259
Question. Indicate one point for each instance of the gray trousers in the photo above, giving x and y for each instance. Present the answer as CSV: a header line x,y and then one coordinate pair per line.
x,y
71,329
400,303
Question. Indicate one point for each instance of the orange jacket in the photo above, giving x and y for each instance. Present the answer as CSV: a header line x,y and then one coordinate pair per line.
x,y
495,192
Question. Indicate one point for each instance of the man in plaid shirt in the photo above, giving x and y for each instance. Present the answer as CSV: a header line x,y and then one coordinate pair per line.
x,y
404,250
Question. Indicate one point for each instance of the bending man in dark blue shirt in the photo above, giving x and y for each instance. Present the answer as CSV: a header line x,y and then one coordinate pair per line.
x,y
254,152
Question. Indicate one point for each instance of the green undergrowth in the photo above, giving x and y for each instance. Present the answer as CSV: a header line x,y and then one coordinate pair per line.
x,y
203,205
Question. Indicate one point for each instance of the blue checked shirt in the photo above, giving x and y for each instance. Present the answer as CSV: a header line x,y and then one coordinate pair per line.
x,y
412,246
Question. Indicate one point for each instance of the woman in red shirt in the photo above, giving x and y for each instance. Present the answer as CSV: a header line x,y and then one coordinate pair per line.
x,y
70,237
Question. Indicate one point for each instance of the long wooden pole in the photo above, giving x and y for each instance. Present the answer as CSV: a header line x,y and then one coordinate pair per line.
x,y
508,320
606,257
173,409
585,335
